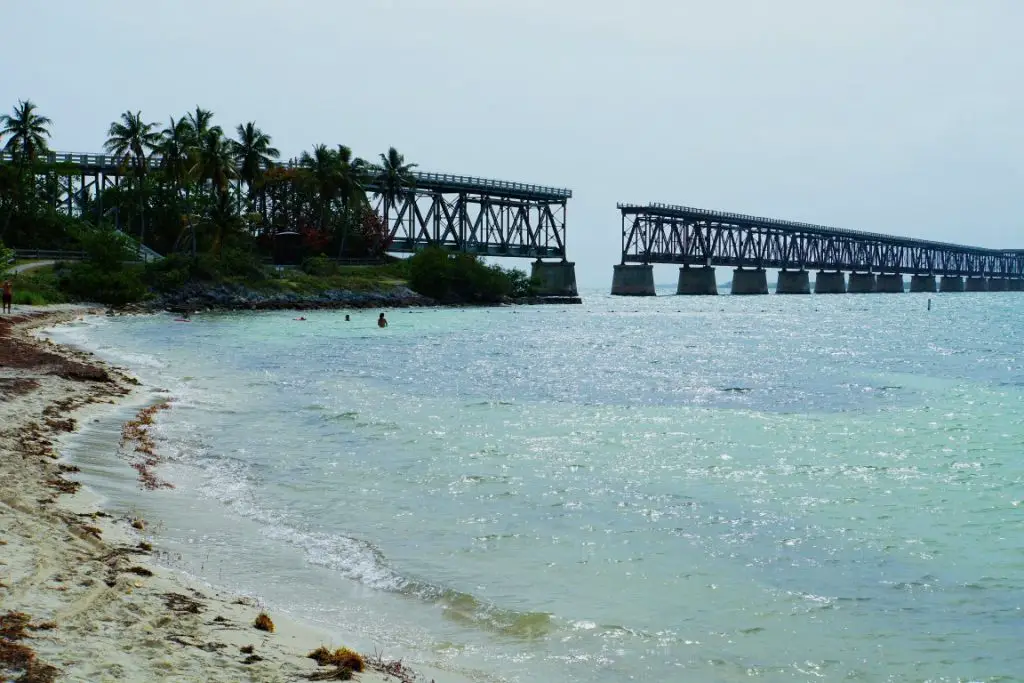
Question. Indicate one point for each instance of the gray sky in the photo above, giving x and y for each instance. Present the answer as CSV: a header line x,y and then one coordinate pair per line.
x,y
896,116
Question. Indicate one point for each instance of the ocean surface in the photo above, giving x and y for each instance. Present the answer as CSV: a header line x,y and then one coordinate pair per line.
x,y
820,488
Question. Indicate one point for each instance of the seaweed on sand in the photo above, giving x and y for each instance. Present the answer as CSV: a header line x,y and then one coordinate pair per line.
x,y
18,658
135,433
342,657
264,623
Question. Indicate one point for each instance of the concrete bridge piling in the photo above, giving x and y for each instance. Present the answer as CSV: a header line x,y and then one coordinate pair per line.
x,y
749,281
861,283
976,284
554,278
951,283
793,282
559,279
922,283
889,283
699,280
631,279
829,283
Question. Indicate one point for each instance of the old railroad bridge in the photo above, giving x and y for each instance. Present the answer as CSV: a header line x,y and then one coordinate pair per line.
x,y
457,212
699,239
519,220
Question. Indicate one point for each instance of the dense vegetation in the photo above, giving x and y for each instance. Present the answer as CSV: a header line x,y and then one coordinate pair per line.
x,y
219,207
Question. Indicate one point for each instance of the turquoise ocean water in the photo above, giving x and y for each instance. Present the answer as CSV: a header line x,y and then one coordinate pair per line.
x,y
668,489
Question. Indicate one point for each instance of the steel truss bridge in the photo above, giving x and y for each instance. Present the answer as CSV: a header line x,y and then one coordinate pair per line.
x,y
663,233
459,213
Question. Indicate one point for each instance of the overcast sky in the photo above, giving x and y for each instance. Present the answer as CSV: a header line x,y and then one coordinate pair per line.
x,y
896,116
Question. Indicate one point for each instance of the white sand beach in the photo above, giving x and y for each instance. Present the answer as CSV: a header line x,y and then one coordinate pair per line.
x,y
100,609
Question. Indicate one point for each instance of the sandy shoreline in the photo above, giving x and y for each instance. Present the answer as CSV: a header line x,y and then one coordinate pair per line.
x,y
110,613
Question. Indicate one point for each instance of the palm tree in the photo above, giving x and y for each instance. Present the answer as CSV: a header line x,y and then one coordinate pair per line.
x,y
131,140
324,169
27,130
350,188
393,178
253,155
174,148
214,160
199,121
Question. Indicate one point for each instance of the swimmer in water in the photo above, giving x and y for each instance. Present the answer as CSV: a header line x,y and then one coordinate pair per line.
x,y
382,321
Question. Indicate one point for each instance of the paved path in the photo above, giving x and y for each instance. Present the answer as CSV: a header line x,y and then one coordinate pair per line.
x,y
30,266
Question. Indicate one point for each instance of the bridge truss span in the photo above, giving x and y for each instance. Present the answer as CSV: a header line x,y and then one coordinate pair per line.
x,y
458,212
477,222
661,233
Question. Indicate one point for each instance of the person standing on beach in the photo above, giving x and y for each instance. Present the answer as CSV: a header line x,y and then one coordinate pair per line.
x,y
382,321
9,296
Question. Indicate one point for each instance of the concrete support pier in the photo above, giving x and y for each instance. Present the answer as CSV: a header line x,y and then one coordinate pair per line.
x,y
997,284
829,283
890,283
793,282
951,283
922,283
861,283
1015,284
749,281
554,278
697,281
976,284
632,279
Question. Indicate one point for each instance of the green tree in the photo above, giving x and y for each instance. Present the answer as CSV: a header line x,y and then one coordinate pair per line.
x,y
174,148
6,259
131,140
393,178
324,170
351,191
26,130
253,155
214,161
199,121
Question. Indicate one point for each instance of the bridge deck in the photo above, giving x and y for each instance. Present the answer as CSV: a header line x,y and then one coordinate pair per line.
x,y
424,180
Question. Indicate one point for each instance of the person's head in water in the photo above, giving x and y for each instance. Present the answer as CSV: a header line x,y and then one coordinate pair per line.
x,y
346,317
382,321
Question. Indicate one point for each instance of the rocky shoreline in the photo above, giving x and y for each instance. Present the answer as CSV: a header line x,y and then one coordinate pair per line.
x,y
229,297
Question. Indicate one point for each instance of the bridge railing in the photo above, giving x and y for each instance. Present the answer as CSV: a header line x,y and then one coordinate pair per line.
x,y
107,161
49,254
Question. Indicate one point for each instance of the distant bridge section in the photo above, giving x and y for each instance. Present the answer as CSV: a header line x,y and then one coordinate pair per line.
x,y
699,239
457,212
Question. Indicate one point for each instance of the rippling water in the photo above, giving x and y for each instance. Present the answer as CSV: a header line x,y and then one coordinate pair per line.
x,y
708,489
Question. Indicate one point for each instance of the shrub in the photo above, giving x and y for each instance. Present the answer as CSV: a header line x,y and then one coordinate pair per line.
x,y
89,282
6,259
38,287
446,276
106,247
319,266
